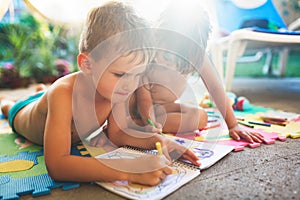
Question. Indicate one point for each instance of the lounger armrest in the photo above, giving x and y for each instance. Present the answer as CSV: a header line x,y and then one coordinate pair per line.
x,y
294,25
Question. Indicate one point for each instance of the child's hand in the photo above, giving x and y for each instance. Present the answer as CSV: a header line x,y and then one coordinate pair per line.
x,y
154,129
178,151
141,164
239,132
157,170
151,178
146,169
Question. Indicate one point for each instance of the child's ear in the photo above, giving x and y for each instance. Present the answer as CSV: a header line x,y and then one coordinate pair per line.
x,y
84,62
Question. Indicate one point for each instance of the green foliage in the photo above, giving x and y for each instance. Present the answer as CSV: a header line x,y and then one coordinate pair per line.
x,y
7,75
10,77
33,46
17,42
21,43
255,69
295,4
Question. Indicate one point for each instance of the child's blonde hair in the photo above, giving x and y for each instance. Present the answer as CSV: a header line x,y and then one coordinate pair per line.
x,y
113,18
183,35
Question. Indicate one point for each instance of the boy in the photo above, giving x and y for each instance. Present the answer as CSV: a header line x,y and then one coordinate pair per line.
x,y
181,43
77,104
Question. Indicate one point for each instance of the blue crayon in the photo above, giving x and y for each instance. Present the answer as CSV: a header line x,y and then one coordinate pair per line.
x,y
259,123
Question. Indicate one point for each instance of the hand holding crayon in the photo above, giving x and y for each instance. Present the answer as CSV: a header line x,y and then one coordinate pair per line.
x,y
156,128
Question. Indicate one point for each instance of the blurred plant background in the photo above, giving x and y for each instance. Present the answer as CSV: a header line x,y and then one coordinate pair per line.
x,y
35,51
34,47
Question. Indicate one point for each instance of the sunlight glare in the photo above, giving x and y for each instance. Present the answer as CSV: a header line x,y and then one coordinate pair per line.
x,y
75,11
150,9
66,11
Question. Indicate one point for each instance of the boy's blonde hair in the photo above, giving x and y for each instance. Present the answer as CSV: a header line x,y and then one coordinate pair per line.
x,y
183,35
113,18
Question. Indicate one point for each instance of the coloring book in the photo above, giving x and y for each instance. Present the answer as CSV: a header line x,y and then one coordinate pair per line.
x,y
183,172
208,152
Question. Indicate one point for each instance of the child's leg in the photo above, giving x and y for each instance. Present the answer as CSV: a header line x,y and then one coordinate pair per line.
x,y
181,118
26,116
40,87
6,104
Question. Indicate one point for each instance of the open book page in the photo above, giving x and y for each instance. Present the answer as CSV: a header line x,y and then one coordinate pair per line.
x,y
181,175
208,152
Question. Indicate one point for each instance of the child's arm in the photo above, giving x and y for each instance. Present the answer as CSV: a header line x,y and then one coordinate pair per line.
x,y
181,117
145,107
144,101
65,167
216,90
125,136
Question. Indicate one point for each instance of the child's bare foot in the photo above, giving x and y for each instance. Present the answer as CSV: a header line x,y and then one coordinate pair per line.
x,y
6,104
40,87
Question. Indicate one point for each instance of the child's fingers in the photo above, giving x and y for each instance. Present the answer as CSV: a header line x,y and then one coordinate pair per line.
x,y
190,154
252,136
258,135
234,135
246,136
158,126
192,159
158,176
152,129
162,175
249,136
256,138
156,130
167,170
185,153
142,164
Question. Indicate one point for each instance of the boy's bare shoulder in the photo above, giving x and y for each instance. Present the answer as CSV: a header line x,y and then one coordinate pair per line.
x,y
63,86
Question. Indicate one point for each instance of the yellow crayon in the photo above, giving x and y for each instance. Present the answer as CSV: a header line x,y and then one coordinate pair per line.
x,y
295,135
158,148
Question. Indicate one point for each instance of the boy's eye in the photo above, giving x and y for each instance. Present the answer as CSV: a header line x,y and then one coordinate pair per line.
x,y
119,74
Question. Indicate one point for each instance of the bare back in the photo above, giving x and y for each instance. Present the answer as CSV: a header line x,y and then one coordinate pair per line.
x,y
31,120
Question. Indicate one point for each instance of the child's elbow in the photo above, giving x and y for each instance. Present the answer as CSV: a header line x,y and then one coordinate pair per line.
x,y
54,175
54,170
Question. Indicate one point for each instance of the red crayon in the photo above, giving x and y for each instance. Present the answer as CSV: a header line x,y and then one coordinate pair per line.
x,y
280,123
